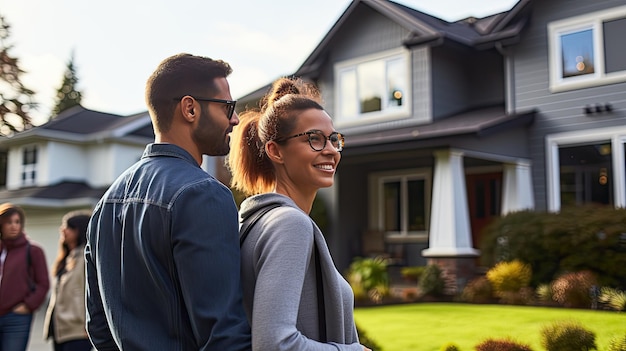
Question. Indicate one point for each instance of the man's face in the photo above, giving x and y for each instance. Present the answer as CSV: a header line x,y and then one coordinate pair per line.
x,y
212,131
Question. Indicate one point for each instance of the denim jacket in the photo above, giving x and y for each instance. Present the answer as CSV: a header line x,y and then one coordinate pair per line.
x,y
163,260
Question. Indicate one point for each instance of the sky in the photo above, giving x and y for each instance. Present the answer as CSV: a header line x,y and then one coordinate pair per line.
x,y
116,44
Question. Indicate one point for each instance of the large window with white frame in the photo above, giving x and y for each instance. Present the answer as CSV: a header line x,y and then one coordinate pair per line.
x,y
586,167
402,204
588,50
29,165
377,86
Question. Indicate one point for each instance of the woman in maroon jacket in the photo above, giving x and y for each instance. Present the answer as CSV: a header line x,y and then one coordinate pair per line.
x,y
24,281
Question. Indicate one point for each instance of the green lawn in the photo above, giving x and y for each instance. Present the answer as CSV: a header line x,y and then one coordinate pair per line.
x,y
428,326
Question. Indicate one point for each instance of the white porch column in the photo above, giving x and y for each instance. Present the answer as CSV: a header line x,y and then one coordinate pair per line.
x,y
517,190
450,232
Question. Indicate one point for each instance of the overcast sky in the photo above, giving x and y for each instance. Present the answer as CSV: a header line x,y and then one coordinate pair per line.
x,y
118,43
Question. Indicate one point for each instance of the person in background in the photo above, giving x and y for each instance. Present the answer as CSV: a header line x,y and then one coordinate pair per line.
x,y
65,317
162,246
294,297
24,280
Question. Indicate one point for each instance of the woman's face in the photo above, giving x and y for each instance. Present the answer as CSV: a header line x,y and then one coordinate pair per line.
x,y
69,236
304,168
12,227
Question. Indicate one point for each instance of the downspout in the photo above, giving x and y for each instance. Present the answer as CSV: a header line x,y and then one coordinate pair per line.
x,y
509,78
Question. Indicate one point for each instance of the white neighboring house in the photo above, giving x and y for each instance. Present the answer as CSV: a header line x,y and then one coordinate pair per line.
x,y
67,164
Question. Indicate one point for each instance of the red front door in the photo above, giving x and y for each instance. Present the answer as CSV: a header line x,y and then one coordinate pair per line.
x,y
484,194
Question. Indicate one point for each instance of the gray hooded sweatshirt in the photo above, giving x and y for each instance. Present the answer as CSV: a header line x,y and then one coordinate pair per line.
x,y
279,281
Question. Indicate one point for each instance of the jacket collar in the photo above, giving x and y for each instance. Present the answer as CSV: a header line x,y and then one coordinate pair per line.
x,y
10,244
171,150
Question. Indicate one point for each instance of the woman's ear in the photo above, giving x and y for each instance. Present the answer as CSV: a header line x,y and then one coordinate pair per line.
x,y
274,152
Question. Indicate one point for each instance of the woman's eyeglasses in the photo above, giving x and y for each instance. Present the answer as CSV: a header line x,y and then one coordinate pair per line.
x,y
317,139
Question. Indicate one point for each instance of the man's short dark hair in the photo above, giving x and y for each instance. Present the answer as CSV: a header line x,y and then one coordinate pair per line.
x,y
177,76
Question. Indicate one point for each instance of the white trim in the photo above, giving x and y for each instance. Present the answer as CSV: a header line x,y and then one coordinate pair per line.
x,y
402,112
376,205
617,137
591,21
450,232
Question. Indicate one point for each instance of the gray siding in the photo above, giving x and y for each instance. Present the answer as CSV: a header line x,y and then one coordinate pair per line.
x,y
463,78
367,32
563,111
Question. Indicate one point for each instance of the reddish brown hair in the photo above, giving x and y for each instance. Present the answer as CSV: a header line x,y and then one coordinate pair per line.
x,y
251,169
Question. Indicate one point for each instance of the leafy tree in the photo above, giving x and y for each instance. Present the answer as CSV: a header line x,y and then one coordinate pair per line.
x,y
16,101
67,95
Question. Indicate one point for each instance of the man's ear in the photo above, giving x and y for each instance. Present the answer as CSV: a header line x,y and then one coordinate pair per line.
x,y
187,108
274,152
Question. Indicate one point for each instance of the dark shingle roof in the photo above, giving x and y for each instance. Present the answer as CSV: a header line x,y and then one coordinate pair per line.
x,y
66,190
79,124
481,121
83,121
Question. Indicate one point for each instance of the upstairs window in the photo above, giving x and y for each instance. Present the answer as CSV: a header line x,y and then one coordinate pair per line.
x,y
373,87
588,50
29,165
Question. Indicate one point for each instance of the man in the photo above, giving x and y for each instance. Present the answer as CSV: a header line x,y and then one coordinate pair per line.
x,y
162,250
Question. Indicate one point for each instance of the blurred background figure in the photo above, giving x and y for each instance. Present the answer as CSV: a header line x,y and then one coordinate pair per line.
x,y
65,317
24,280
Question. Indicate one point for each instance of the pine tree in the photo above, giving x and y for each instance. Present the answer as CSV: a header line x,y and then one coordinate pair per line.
x,y
67,95
15,99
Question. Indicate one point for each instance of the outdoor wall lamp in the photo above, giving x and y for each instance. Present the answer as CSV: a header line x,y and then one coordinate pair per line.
x,y
598,108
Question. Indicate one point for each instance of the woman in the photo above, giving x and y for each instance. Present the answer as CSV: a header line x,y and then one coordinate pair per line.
x,y
65,317
23,279
283,154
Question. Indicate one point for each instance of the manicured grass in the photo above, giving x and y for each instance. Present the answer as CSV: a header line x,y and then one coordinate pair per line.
x,y
428,326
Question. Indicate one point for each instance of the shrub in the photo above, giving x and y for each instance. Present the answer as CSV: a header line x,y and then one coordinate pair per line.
x,y
617,343
553,242
368,278
573,289
501,345
412,273
525,296
477,290
614,298
567,336
431,281
509,277
409,294
449,347
544,292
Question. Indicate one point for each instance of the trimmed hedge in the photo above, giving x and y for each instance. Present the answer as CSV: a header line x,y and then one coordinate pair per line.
x,y
582,238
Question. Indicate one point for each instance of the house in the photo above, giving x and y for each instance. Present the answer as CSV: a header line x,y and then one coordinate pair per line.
x,y
67,164
449,125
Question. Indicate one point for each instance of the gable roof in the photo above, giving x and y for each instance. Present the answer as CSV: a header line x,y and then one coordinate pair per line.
x,y
503,28
65,193
79,124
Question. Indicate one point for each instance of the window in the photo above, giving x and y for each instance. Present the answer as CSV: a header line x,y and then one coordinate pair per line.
x,y
29,165
403,208
585,174
586,167
377,86
588,50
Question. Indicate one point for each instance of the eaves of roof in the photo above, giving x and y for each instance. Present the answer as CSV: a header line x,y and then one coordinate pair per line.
x,y
480,122
425,29
62,194
80,125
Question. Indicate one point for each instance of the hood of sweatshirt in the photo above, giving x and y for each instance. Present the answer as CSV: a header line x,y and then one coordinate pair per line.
x,y
254,203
